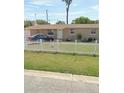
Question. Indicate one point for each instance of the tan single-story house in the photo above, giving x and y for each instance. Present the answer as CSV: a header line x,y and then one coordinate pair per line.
x,y
83,32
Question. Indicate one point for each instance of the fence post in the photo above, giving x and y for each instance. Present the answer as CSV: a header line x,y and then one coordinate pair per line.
x,y
57,44
75,46
52,45
26,45
95,48
41,44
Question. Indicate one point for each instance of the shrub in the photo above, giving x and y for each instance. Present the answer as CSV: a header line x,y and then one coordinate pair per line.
x,y
79,37
90,39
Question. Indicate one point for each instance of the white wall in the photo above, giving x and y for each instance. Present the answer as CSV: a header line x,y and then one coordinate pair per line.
x,y
26,35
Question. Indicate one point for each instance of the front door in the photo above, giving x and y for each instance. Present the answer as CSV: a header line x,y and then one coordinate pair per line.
x,y
59,34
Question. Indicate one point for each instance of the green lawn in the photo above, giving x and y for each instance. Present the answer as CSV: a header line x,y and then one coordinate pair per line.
x,y
75,64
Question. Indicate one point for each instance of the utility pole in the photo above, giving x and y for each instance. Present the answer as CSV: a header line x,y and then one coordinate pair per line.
x,y
35,19
47,15
49,20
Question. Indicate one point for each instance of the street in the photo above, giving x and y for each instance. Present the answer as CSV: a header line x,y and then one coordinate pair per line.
x,y
39,84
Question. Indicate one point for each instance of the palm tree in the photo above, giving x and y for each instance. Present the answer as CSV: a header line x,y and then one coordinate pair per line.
x,y
67,2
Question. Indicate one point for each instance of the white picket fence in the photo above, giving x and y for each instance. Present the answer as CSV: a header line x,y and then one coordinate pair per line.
x,y
63,47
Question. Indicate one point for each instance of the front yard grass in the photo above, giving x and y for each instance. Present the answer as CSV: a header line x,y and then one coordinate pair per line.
x,y
65,63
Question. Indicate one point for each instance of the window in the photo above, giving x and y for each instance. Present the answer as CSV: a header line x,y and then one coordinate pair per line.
x,y
93,32
72,31
50,33
37,36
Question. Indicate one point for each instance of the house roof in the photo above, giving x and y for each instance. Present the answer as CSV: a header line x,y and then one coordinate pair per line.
x,y
63,26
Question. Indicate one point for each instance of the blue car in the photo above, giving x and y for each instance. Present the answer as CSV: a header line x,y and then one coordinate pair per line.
x,y
40,36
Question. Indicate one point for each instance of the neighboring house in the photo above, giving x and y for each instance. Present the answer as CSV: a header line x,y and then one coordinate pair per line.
x,y
84,32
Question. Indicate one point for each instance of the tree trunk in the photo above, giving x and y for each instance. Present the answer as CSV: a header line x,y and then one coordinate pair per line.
x,y
67,9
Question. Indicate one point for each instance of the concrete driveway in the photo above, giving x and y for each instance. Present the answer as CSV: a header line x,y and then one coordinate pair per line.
x,y
49,82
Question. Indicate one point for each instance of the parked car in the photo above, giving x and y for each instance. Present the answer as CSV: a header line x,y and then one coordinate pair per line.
x,y
37,37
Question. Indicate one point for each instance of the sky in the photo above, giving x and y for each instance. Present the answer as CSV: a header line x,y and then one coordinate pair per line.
x,y
57,11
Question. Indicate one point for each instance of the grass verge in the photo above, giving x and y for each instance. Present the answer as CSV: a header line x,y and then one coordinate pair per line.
x,y
65,63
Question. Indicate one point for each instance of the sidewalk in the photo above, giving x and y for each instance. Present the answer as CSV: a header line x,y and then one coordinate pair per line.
x,y
63,76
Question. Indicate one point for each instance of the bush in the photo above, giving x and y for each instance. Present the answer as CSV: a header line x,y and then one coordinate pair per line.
x,y
94,39
79,37
90,39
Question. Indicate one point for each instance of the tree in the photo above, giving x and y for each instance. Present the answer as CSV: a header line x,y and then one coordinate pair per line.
x,y
84,20
60,22
27,23
96,21
31,23
67,2
40,21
